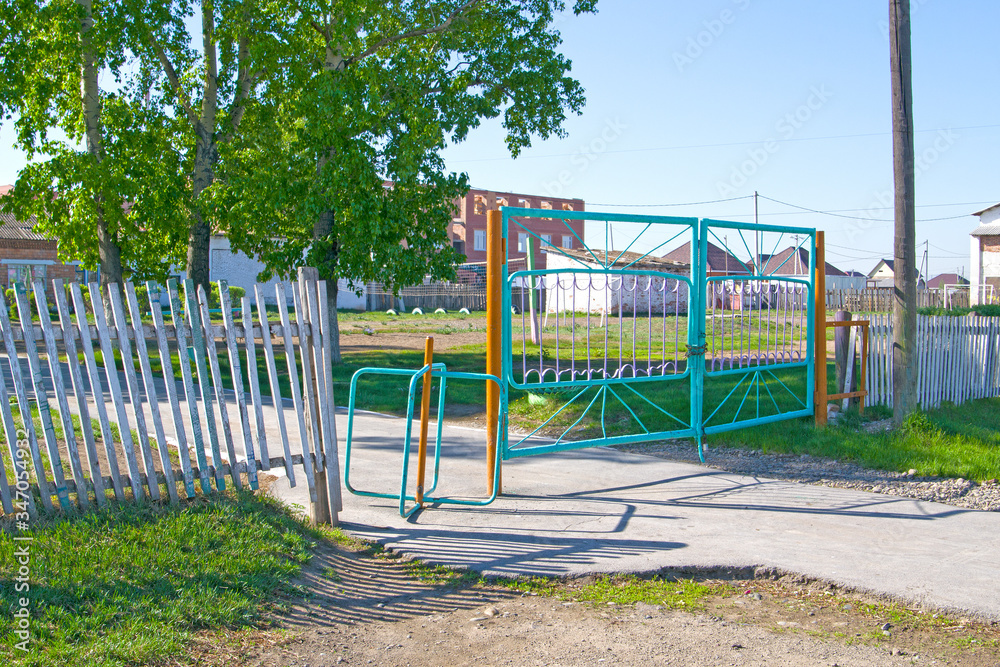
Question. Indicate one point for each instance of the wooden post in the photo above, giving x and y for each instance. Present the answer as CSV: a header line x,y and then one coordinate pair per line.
x,y
820,331
319,509
496,256
841,344
425,417
904,315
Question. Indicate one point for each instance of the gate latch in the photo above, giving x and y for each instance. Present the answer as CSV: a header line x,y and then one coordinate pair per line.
x,y
696,351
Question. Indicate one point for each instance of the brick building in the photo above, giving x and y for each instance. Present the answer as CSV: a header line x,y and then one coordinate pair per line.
x,y
468,230
25,255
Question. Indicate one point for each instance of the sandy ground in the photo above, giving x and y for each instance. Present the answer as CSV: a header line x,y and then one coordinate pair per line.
x,y
369,609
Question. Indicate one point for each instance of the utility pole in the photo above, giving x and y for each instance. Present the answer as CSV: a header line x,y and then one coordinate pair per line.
x,y
904,314
756,223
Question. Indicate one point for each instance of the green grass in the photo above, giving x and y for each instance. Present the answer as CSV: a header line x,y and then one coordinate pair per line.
x,y
131,584
952,441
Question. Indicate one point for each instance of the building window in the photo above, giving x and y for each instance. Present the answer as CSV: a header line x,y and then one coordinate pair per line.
x,y
479,239
24,273
522,243
567,242
459,246
546,241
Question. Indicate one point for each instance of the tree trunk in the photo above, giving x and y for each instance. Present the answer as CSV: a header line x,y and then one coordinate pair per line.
x,y
206,155
109,253
323,230
904,314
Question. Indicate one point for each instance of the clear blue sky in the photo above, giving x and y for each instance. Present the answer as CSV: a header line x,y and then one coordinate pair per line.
x,y
668,122
698,101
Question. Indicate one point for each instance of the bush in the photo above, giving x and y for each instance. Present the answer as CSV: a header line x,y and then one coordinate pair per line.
x,y
937,311
12,304
988,310
235,295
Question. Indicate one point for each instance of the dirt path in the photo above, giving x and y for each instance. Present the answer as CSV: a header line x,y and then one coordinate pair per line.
x,y
370,609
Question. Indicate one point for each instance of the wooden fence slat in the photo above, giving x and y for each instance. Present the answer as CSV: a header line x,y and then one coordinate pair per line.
x,y
204,383
97,389
59,388
152,398
293,376
254,379
69,335
5,497
184,358
932,352
309,393
134,390
220,391
272,374
19,467
41,398
114,386
331,446
169,383
237,373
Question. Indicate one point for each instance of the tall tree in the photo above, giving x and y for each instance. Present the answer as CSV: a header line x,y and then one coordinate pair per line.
x,y
340,165
103,201
211,87
904,314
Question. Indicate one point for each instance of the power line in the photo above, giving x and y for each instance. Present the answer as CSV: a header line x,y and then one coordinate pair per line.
x,y
693,203
856,217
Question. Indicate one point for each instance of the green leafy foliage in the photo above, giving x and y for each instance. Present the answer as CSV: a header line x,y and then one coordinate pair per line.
x,y
340,157
983,310
127,178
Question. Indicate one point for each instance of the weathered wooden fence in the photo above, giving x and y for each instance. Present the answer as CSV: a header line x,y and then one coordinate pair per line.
x,y
165,456
880,299
958,359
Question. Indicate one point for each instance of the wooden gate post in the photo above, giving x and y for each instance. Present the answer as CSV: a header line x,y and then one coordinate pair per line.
x,y
324,510
819,346
496,255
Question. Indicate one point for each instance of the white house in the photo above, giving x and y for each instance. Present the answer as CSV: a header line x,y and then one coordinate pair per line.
x,y
599,292
984,257
240,270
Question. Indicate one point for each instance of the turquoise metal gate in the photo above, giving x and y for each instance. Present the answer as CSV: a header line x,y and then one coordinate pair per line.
x,y
642,328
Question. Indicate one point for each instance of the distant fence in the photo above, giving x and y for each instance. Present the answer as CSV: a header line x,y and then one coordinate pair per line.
x,y
84,466
880,299
468,290
958,359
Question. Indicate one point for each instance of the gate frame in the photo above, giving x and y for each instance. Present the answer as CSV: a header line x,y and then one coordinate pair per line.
x,y
499,305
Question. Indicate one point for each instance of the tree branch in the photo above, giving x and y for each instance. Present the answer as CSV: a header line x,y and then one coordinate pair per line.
x,y
420,32
245,83
175,82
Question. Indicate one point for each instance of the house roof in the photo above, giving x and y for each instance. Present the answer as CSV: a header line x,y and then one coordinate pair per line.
x,y
784,263
939,281
887,262
718,259
13,229
633,260
988,208
990,229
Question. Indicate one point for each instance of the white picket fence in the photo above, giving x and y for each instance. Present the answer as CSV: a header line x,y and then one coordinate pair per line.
x,y
958,359
169,455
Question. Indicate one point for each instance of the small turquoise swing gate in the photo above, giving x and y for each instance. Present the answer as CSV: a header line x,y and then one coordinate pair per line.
x,y
613,344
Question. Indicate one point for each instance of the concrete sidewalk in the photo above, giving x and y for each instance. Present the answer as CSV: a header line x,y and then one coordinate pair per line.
x,y
600,510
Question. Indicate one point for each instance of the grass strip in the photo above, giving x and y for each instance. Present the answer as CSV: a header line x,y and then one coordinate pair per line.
x,y
132,584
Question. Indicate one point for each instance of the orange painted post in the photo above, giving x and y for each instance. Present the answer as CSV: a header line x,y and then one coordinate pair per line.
x,y
820,333
496,255
425,417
